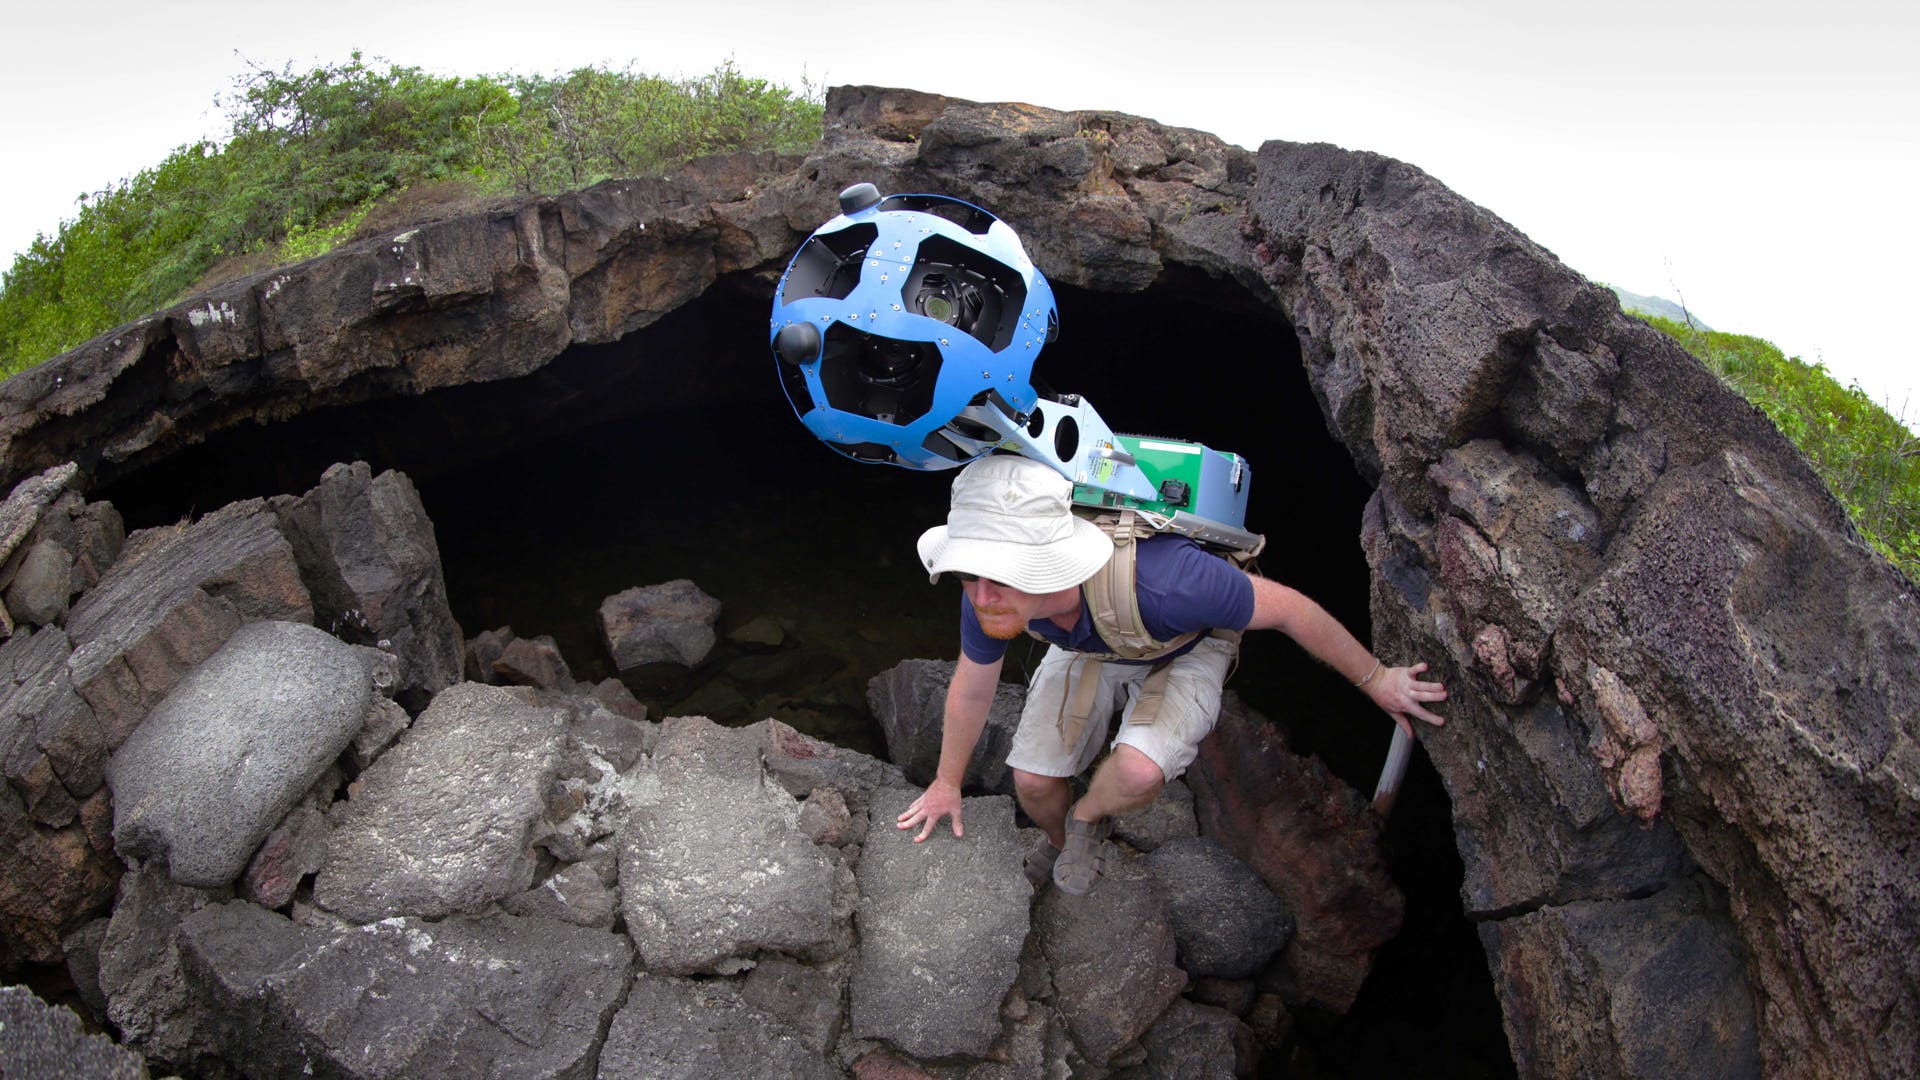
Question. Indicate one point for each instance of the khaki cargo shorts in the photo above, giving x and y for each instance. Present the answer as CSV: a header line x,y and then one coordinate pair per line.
x,y
1046,744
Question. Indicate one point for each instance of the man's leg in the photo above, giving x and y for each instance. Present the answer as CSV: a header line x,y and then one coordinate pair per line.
x,y
1045,799
1042,759
1149,750
1127,780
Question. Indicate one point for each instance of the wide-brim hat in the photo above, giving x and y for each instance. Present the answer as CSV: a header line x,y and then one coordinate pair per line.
x,y
1011,520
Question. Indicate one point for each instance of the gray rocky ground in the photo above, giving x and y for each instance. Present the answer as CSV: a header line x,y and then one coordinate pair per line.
x,y
295,874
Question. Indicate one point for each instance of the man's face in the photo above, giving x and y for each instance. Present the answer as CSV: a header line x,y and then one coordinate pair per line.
x,y
1003,611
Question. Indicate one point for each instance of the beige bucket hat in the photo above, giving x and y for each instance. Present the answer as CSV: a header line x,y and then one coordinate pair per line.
x,y
1011,522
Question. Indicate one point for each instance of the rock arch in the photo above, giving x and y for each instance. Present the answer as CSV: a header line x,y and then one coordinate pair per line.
x,y
1684,754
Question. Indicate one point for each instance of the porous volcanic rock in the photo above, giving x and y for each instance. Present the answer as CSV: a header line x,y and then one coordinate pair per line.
x,y
370,558
500,995
908,699
1671,658
716,867
1112,956
443,821
38,1039
1310,838
671,622
941,924
223,758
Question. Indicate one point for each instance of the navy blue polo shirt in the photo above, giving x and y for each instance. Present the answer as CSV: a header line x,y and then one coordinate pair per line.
x,y
1181,586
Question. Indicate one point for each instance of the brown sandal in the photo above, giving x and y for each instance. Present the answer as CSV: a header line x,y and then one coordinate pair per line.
x,y
1084,858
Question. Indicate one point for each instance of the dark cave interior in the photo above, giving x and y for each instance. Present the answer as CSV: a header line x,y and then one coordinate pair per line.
x,y
672,453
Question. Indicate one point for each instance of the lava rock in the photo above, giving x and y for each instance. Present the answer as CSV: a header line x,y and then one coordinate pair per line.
x,y
614,694
20,512
171,600
1168,817
1112,953
148,1000
1312,839
41,587
533,662
802,764
1194,1040
368,552
670,622
825,819
620,741
807,998
46,1042
444,820
1227,923
703,1031
715,867
481,651
54,877
404,998
233,747
574,894
909,699
384,723
941,927
1665,1005
55,752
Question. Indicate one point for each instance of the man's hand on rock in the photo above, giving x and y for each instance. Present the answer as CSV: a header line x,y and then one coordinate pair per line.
x,y
941,799
1400,694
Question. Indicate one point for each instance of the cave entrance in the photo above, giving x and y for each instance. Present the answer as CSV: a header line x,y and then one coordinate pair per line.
x,y
672,453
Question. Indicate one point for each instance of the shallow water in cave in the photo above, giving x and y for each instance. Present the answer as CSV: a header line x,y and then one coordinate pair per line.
x,y
537,522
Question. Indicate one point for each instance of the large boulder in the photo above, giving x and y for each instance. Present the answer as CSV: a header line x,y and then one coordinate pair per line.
x,y
713,863
1192,1040
1673,1003
941,926
1226,921
45,1041
668,623
140,974
909,700
444,821
55,877
1312,840
703,1031
55,751
170,601
404,998
1112,953
370,559
223,758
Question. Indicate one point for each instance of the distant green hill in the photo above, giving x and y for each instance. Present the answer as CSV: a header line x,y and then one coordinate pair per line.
x,y
1657,306
1866,455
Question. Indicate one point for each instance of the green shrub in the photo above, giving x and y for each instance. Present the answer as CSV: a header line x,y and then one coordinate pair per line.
x,y
1866,455
310,155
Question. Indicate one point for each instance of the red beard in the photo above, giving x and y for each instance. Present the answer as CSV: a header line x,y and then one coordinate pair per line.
x,y
1006,627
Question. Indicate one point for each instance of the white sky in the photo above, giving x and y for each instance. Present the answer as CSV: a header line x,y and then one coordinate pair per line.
x,y
1757,158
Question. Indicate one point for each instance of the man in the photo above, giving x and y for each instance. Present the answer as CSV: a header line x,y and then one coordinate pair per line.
x,y
1023,557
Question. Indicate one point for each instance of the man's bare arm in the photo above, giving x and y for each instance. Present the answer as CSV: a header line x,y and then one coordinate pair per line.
x,y
1394,689
969,700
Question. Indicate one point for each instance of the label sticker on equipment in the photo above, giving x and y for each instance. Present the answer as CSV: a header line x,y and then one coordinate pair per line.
x,y
1171,448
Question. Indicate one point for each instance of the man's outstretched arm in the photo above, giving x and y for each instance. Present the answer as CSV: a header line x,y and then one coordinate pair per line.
x,y
1394,689
969,700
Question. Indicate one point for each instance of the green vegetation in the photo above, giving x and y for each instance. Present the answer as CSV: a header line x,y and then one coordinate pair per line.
x,y
312,157
1867,456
